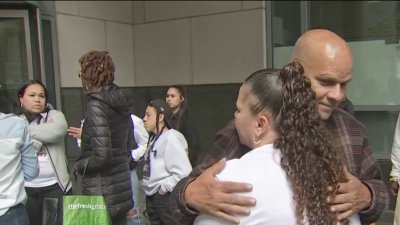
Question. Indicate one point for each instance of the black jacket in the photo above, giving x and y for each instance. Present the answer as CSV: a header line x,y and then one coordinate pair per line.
x,y
182,122
106,136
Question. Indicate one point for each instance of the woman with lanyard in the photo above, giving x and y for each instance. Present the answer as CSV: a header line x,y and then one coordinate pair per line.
x,y
165,162
48,128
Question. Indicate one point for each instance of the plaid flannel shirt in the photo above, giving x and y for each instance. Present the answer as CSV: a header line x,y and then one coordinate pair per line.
x,y
350,139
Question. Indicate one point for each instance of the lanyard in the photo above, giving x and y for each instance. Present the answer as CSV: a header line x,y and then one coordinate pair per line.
x,y
150,148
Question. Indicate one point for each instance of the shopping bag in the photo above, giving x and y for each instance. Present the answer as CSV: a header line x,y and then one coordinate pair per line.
x,y
85,210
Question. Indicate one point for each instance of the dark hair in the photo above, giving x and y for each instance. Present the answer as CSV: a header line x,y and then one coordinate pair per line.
x,y
266,86
97,69
21,90
161,107
309,159
183,105
182,92
180,89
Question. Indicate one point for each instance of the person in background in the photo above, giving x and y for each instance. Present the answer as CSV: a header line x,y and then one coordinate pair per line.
x,y
182,122
395,173
141,137
106,136
139,147
327,62
165,162
47,127
18,162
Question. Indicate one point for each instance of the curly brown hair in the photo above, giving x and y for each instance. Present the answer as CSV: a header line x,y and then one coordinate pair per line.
x,y
308,157
97,69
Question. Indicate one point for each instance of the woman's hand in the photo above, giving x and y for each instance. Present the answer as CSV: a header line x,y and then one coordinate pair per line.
x,y
161,192
75,132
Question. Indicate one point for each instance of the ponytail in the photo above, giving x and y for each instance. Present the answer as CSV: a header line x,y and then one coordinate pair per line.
x,y
308,157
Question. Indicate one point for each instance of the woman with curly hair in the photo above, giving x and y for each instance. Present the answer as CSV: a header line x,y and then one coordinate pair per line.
x,y
292,163
106,136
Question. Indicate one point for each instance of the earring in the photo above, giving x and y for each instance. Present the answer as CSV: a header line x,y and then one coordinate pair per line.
x,y
256,142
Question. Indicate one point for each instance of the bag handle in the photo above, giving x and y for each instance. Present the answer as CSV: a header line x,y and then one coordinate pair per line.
x,y
98,185
79,177
84,167
65,190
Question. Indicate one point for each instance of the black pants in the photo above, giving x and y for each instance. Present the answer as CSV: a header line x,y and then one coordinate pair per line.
x,y
119,220
157,207
34,204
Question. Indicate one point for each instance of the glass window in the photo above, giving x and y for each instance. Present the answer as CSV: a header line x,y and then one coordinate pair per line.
x,y
286,28
286,23
358,20
372,29
48,61
15,54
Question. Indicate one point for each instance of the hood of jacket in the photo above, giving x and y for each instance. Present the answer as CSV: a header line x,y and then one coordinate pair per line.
x,y
4,115
113,96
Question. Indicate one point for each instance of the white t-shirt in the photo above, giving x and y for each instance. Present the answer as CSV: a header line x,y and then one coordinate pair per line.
x,y
261,168
46,175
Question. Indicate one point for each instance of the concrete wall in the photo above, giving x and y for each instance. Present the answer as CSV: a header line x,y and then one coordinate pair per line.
x,y
208,46
159,43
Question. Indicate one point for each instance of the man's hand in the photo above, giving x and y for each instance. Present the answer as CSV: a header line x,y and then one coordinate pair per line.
x,y
207,195
351,197
75,132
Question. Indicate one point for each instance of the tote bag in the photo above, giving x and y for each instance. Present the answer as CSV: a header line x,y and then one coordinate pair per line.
x,y
85,210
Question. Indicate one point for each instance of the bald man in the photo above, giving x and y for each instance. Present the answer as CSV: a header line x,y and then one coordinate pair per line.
x,y
328,63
